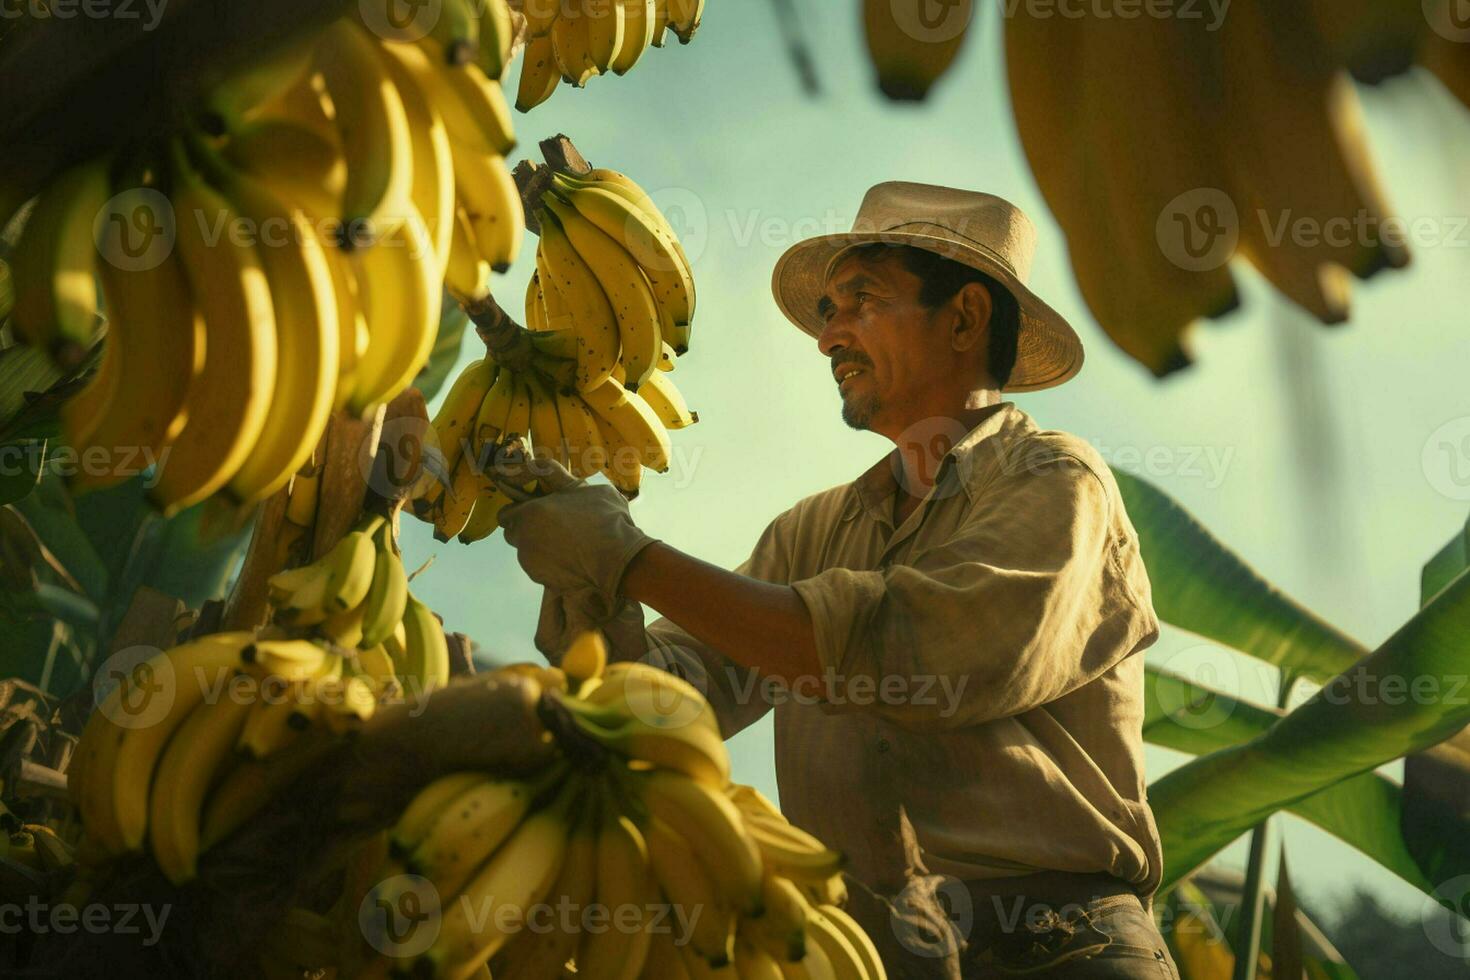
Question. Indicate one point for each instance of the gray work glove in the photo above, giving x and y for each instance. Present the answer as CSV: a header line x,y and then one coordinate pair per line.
x,y
565,615
575,538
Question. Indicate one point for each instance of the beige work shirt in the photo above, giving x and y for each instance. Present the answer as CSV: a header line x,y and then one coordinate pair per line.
x,y
984,701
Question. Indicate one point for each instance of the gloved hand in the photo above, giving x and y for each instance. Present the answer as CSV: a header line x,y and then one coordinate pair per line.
x,y
566,615
575,538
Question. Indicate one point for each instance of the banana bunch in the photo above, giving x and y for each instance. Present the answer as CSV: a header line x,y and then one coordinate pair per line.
x,y
356,597
198,738
608,309
573,40
281,255
909,47
648,823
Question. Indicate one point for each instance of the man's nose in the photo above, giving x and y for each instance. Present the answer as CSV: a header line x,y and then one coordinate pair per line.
x,y
835,336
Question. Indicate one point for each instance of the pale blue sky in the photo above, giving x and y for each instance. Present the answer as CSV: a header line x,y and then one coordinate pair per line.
x,y
721,131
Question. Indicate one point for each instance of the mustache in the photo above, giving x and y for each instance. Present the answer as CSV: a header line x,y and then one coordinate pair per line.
x,y
842,360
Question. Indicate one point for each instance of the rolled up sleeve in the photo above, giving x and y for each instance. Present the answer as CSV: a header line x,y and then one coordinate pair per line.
x,y
1011,612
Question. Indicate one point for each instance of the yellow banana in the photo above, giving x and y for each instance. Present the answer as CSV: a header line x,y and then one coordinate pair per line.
x,y
545,426
54,266
485,519
624,462
625,285
489,197
539,72
374,131
624,883
586,454
230,399
427,806
606,33
497,38
250,89
387,597
634,422
432,189
752,962
490,421
83,413
684,18
466,273
426,652
114,791
535,955
185,772
909,57
649,242
571,38
402,292
580,297
692,892
154,331
666,401
304,304
714,829
468,830
517,876
860,941
638,16
454,423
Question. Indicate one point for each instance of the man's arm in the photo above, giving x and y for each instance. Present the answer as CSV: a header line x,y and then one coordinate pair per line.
x,y
754,623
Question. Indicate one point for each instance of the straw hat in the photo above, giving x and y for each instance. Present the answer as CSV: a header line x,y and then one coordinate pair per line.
x,y
979,230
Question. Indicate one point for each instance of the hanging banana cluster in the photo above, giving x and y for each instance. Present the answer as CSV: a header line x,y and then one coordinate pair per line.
x,y
200,737
911,45
573,40
648,823
280,257
356,597
608,309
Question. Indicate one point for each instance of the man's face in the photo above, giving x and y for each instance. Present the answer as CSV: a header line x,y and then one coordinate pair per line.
x,y
879,333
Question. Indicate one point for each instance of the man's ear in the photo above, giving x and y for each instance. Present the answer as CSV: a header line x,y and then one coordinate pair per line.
x,y
973,323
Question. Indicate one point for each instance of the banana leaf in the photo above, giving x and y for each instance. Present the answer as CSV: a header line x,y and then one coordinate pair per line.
x,y
1201,585
452,323
1362,811
1405,696
21,463
1436,797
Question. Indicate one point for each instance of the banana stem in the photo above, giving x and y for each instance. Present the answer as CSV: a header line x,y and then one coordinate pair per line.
x,y
582,748
508,342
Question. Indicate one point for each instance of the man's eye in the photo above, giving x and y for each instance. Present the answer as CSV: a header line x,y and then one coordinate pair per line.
x,y
863,298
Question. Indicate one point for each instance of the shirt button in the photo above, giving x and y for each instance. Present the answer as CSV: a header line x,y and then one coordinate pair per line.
x,y
882,745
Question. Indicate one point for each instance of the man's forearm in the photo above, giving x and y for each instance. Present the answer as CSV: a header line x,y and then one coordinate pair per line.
x,y
754,623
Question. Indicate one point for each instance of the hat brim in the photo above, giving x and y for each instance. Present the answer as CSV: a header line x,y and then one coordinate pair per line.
x,y
1048,350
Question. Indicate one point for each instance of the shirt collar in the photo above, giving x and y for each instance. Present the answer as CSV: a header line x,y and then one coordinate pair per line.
x,y
973,456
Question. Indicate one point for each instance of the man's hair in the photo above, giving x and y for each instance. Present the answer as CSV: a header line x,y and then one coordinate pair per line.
x,y
941,279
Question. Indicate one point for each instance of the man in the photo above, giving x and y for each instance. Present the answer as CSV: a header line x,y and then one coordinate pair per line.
x,y
960,629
